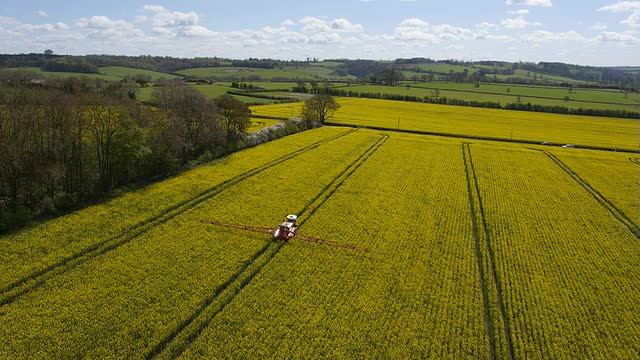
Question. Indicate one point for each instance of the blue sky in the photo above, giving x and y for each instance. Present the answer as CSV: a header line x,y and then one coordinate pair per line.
x,y
583,32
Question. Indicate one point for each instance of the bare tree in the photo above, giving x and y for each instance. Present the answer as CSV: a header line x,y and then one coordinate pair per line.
x,y
193,116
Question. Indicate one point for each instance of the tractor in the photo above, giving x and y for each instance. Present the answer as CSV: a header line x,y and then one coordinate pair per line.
x,y
286,230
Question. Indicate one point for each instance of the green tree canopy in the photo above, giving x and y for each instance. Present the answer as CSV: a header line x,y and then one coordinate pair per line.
x,y
319,108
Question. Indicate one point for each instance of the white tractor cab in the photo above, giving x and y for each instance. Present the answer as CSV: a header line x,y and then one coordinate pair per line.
x,y
287,229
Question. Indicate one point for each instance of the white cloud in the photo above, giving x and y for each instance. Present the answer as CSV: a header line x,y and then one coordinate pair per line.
x,y
633,19
449,32
418,31
621,6
541,36
287,23
414,36
165,18
599,27
624,39
103,27
163,31
42,27
43,13
294,37
345,26
484,35
8,21
313,24
140,19
272,30
486,25
195,31
101,22
325,38
154,8
544,3
518,12
413,23
175,18
517,23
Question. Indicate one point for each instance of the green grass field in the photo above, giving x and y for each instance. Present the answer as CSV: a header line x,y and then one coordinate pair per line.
x,y
214,90
267,85
498,93
433,248
443,68
63,74
329,64
122,72
467,121
255,100
576,94
440,68
239,73
529,75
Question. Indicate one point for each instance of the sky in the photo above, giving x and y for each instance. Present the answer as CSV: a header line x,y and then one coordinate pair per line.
x,y
584,32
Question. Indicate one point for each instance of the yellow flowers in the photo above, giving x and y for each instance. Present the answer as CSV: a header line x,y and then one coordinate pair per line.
x,y
419,297
480,250
459,120
568,267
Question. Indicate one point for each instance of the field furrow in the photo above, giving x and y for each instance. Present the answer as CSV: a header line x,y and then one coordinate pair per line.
x,y
28,283
124,303
38,249
567,267
175,345
612,208
496,317
611,176
417,296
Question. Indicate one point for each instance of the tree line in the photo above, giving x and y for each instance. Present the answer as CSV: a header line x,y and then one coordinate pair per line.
x,y
71,141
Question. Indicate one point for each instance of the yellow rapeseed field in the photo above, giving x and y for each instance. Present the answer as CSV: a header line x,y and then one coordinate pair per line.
x,y
568,268
504,124
478,250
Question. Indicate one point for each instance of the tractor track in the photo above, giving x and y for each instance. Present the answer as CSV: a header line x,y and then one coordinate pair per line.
x,y
483,287
493,276
601,199
11,292
179,340
635,160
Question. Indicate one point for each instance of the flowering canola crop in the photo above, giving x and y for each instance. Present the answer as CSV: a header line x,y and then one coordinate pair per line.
x,y
478,250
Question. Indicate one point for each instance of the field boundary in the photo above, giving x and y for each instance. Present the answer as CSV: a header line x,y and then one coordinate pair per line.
x,y
601,199
494,278
26,284
180,339
526,96
473,137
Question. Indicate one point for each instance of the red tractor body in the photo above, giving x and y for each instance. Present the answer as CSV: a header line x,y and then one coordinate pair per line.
x,y
286,230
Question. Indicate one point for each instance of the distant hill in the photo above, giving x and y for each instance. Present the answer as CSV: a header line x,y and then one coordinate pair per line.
x,y
214,68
